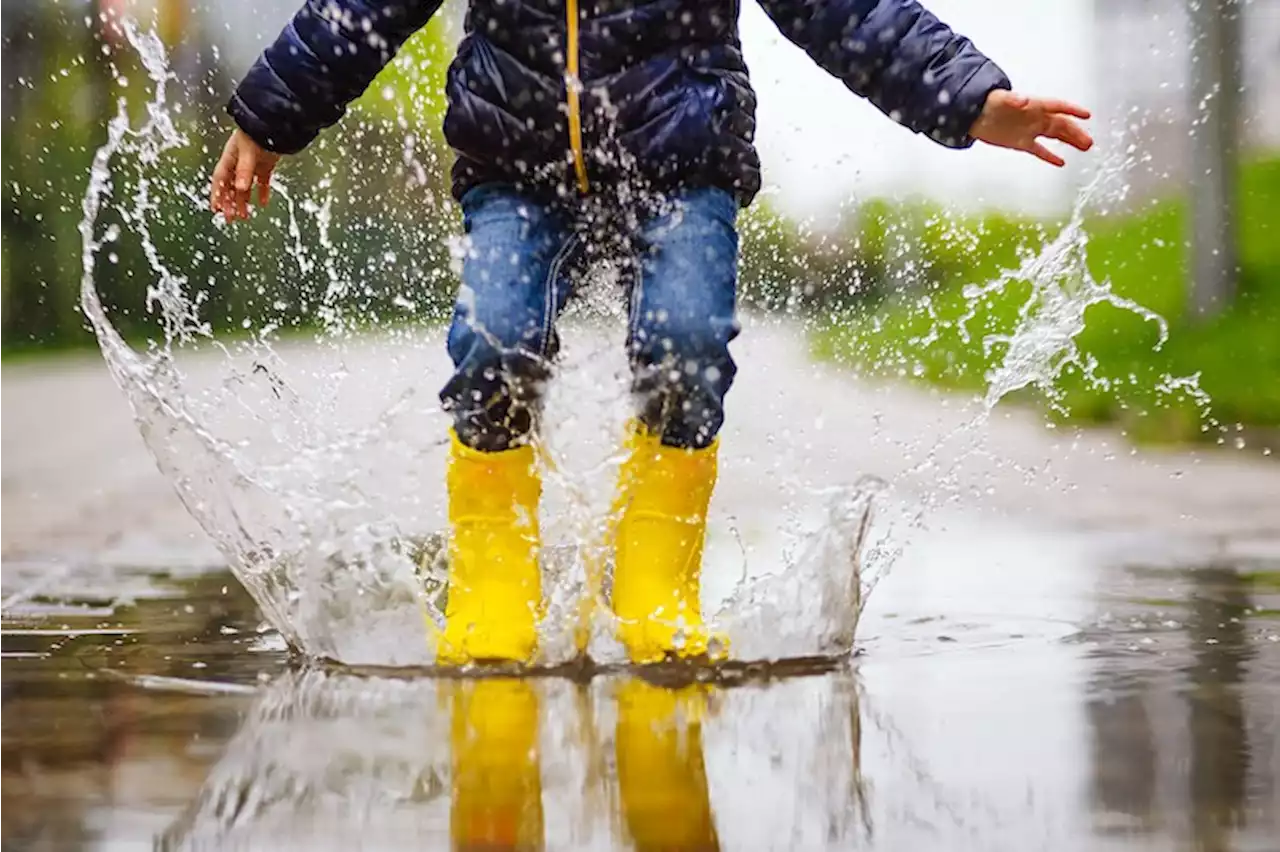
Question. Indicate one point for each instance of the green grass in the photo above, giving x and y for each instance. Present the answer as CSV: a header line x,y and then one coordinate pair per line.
x,y
13,356
1144,257
1262,581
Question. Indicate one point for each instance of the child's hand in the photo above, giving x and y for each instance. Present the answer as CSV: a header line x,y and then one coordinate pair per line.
x,y
242,162
1010,120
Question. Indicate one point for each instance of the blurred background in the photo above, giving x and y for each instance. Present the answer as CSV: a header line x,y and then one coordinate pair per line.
x,y
1140,648
865,231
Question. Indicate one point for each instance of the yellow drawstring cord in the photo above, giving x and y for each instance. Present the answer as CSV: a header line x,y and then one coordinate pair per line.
x,y
572,84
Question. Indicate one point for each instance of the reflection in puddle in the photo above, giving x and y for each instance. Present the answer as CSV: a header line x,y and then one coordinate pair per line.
x,y
1186,741
330,760
662,778
172,721
496,783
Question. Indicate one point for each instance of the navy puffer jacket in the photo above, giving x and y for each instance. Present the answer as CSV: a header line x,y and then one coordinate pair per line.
x,y
660,96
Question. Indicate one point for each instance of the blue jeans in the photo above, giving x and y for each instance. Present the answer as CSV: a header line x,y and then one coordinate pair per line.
x,y
679,256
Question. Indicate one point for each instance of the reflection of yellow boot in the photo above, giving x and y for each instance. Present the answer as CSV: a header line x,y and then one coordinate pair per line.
x,y
663,496
495,587
497,789
662,780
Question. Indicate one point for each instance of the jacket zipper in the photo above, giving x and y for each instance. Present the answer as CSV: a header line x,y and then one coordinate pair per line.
x,y
572,87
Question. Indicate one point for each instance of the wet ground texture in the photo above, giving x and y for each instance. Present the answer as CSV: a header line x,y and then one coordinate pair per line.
x,y
174,718
1098,671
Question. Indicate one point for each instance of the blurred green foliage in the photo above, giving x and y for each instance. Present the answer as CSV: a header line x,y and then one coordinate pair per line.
x,y
915,332
47,141
369,213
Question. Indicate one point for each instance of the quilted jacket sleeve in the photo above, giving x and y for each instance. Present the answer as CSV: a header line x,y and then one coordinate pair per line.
x,y
324,59
900,57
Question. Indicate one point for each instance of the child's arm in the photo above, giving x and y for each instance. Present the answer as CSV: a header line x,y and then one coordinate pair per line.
x,y
322,61
917,71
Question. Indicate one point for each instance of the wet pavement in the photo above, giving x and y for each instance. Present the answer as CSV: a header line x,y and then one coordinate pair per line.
x,y
1089,666
1137,709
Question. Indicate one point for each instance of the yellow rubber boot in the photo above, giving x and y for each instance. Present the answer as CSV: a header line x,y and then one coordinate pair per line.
x,y
497,786
661,515
662,778
495,585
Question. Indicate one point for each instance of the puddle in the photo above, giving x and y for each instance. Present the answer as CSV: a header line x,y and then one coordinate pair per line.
x,y
1040,718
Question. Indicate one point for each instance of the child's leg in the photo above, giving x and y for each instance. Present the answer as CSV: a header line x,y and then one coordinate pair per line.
x,y
682,320
513,287
682,316
501,337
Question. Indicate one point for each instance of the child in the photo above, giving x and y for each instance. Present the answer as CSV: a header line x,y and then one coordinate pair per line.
x,y
618,130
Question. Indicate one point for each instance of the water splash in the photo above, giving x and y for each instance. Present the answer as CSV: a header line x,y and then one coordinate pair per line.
x,y
1043,343
255,498
318,468
1041,348
803,609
